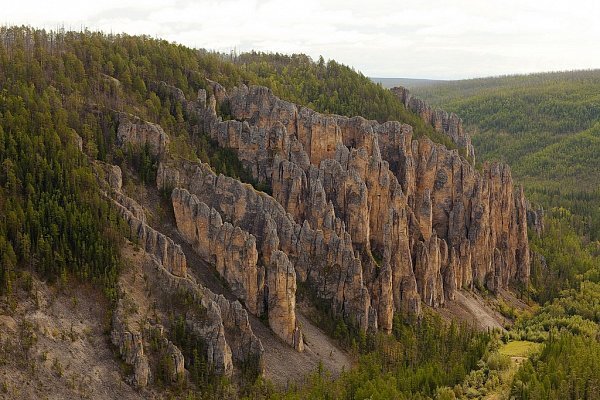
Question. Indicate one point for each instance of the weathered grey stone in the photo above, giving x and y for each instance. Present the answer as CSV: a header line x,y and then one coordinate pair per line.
x,y
139,133
447,123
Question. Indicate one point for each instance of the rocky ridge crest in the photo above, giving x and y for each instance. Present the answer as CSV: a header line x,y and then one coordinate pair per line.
x,y
447,123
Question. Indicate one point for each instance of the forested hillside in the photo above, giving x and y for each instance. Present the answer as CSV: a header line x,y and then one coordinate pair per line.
x,y
48,81
61,96
566,276
61,229
544,126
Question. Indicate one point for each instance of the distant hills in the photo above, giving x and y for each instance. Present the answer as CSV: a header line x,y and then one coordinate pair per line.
x,y
406,82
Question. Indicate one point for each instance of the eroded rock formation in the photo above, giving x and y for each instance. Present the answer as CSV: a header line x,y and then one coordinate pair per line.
x,y
261,215
138,133
281,299
129,341
233,251
224,326
535,219
371,219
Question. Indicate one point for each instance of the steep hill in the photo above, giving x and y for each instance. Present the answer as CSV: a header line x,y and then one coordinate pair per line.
x,y
544,126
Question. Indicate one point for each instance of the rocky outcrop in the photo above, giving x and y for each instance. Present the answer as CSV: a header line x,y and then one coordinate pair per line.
x,y
372,220
130,343
281,300
78,140
535,219
429,257
230,249
316,257
169,254
443,122
233,251
139,133
110,179
176,358
224,326
218,351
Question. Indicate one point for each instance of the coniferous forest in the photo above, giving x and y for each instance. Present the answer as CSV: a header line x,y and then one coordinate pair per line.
x,y
57,225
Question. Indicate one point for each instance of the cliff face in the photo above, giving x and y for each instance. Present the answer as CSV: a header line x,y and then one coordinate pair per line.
x,y
231,250
443,122
269,289
372,220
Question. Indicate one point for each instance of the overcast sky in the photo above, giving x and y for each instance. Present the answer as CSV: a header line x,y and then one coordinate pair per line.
x,y
414,39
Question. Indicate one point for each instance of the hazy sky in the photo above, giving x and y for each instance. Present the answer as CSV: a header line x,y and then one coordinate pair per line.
x,y
418,38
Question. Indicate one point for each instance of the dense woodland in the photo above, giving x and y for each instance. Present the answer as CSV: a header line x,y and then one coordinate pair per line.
x,y
412,363
56,88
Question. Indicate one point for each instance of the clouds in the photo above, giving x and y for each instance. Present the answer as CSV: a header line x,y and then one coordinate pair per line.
x,y
430,38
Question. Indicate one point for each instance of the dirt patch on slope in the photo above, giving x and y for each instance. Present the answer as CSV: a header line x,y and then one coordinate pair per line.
x,y
472,309
55,345
512,300
285,366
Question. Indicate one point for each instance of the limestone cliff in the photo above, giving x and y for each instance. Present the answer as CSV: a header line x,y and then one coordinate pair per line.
x,y
309,250
228,247
270,290
370,218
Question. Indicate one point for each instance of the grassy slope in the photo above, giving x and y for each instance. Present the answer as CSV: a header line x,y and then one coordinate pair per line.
x,y
518,351
520,348
544,125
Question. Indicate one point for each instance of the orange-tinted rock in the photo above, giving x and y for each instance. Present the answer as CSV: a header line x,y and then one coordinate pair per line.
x,y
371,219
234,254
